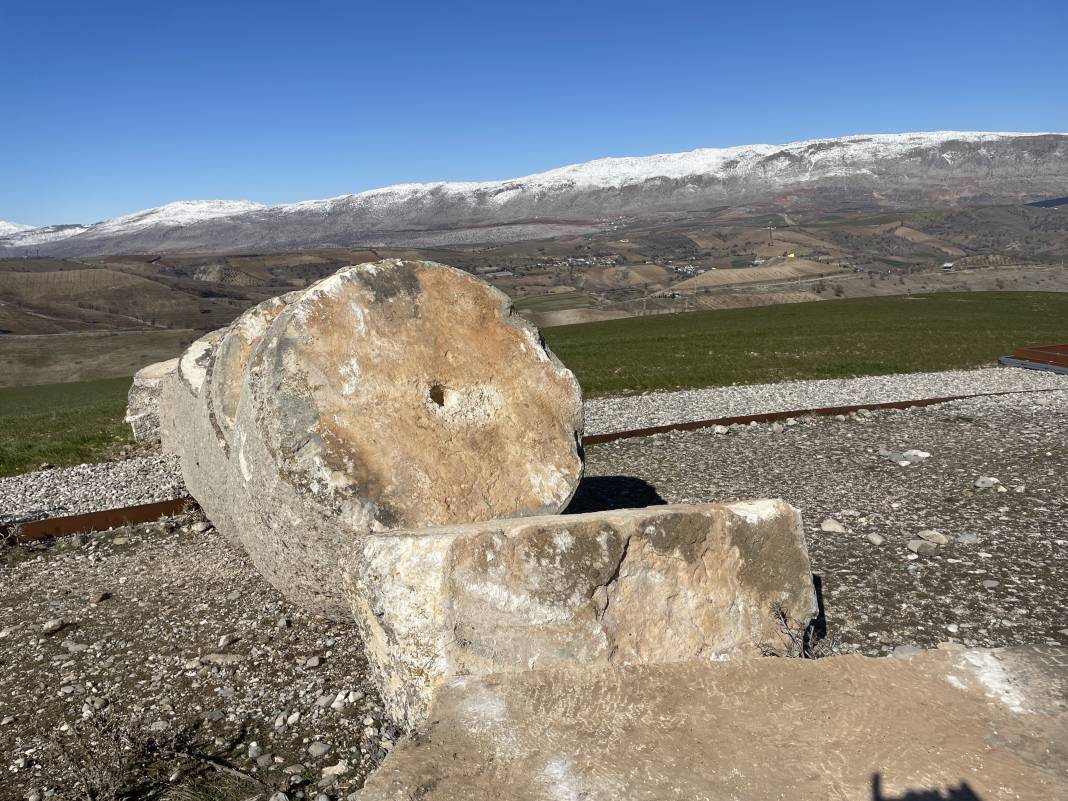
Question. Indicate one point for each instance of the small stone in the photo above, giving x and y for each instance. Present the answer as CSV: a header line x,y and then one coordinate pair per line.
x,y
875,539
99,597
53,625
967,538
832,526
841,418
203,527
254,750
923,547
318,749
931,535
312,662
293,718
952,628
222,659
7,720
776,428
340,769
279,796
720,429
292,769
985,482
990,584
264,760
227,640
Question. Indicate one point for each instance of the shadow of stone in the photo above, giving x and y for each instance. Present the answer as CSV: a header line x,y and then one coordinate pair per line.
x,y
960,793
603,493
819,624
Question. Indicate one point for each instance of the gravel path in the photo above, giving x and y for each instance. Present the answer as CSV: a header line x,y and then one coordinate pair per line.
x,y
1000,578
167,629
622,413
89,487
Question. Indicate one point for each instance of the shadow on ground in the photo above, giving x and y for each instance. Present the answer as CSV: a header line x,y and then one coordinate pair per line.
x,y
603,493
960,793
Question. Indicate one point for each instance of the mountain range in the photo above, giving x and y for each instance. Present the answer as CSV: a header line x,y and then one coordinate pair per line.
x,y
909,170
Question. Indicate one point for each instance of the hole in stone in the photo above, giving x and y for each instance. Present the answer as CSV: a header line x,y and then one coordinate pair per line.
x,y
438,394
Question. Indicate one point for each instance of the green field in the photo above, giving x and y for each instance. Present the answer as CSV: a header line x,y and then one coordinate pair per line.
x,y
77,422
865,336
553,301
62,424
52,358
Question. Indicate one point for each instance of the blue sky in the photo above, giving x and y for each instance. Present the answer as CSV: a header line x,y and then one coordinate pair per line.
x,y
110,107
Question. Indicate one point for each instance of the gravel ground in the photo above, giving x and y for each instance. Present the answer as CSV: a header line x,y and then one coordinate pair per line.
x,y
89,487
1002,576
167,628
150,656
623,413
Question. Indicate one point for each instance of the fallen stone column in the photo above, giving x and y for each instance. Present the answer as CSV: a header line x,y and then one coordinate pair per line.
x,y
637,586
398,394
142,401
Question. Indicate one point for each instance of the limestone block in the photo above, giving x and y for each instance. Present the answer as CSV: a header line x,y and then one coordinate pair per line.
x,y
142,403
965,725
187,430
391,395
637,586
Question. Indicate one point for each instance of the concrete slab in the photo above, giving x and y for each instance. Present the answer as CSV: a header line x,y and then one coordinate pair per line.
x,y
990,725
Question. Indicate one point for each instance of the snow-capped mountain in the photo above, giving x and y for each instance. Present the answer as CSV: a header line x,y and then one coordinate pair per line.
x,y
8,228
876,171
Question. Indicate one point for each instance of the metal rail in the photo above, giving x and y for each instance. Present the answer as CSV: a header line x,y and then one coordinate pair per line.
x,y
147,512
1053,358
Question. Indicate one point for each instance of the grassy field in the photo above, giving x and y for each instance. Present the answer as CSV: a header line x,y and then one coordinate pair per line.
x,y
52,358
62,424
553,301
77,422
865,336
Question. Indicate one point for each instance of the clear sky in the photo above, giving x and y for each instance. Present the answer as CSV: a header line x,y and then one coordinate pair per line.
x,y
110,107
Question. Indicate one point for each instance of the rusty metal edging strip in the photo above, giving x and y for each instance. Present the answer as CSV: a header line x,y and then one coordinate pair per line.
x,y
147,512
769,417
97,521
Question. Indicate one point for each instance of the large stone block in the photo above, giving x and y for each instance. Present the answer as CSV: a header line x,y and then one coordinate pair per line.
x,y
143,399
391,395
982,725
638,586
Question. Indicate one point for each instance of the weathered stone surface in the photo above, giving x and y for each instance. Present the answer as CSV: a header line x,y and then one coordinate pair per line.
x,y
968,725
636,586
142,402
398,394
186,429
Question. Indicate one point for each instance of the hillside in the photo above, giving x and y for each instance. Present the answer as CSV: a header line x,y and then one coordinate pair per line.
x,y
946,168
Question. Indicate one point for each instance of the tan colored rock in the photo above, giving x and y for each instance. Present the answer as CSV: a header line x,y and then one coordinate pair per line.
x,y
142,403
981,725
637,586
391,395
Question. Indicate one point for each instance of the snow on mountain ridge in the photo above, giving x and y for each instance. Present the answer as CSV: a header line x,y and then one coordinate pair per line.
x,y
756,167
616,172
7,228
180,212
